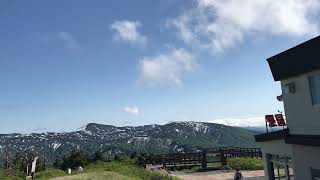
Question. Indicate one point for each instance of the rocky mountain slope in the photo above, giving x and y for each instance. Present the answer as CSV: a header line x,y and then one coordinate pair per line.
x,y
111,140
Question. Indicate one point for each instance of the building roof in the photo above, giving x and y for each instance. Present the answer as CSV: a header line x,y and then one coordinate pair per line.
x,y
299,139
300,59
274,135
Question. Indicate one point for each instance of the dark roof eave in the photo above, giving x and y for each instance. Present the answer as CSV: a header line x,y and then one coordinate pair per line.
x,y
298,60
307,140
298,139
275,135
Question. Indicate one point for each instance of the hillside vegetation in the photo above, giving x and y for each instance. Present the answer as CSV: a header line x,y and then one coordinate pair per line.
x,y
243,163
111,140
98,168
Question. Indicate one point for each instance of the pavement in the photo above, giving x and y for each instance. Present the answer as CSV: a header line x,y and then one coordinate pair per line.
x,y
219,175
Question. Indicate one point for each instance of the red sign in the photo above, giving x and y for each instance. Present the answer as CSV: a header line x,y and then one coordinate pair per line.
x,y
270,120
280,120
275,120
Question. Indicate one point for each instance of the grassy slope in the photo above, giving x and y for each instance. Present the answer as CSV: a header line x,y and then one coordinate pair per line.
x,y
123,170
100,170
10,175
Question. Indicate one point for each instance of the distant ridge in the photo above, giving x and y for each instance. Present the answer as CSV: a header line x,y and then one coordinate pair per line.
x,y
111,140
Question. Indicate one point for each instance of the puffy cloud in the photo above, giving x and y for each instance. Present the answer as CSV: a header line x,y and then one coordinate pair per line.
x,y
220,24
70,41
131,110
127,31
166,69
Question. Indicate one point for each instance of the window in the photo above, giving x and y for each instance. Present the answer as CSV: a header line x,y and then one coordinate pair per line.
x,y
314,82
315,173
279,167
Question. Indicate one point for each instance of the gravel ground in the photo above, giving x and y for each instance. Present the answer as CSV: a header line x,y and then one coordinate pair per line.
x,y
219,175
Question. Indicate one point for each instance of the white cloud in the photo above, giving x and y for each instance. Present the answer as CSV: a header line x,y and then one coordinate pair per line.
x,y
70,41
131,110
242,122
166,69
220,24
127,31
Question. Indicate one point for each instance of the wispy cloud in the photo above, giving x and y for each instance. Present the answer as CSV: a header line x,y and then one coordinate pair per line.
x,y
253,121
131,110
166,69
70,41
127,31
216,25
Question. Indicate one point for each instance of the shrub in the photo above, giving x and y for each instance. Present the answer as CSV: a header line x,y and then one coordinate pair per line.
x,y
98,156
50,173
128,168
242,163
11,175
74,160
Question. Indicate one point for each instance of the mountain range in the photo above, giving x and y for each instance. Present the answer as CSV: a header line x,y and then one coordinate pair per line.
x,y
111,140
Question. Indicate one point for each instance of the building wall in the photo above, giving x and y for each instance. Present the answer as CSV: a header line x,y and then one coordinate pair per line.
x,y
305,157
278,147
302,117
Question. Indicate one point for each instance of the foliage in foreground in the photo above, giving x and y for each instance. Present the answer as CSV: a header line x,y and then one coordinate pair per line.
x,y
11,175
127,168
243,163
50,173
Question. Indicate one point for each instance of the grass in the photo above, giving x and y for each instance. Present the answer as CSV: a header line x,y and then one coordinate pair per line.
x,y
11,175
242,163
50,173
127,168
121,170
115,170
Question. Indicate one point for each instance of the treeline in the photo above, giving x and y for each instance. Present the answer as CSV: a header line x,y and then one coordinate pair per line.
x,y
22,162
79,158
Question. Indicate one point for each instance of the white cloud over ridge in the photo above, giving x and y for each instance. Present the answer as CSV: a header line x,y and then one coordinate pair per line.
x,y
131,110
220,24
127,31
166,69
255,121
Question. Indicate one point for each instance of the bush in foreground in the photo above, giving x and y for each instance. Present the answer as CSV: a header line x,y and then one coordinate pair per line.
x,y
127,168
11,175
242,163
50,173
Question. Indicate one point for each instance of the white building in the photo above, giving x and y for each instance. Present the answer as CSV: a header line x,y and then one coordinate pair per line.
x,y
294,152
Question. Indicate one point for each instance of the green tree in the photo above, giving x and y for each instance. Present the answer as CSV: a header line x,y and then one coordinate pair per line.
x,y
74,160
98,156
134,155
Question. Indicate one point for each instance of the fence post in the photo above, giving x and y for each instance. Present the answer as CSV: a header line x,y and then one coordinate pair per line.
x,y
163,161
204,160
223,158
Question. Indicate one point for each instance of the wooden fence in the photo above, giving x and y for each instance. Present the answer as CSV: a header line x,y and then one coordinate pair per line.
x,y
204,156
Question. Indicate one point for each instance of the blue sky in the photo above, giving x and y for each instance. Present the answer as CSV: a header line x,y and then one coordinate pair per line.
x,y
67,63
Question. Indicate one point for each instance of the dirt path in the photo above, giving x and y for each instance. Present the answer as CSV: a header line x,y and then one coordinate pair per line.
x,y
157,168
219,175
94,176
